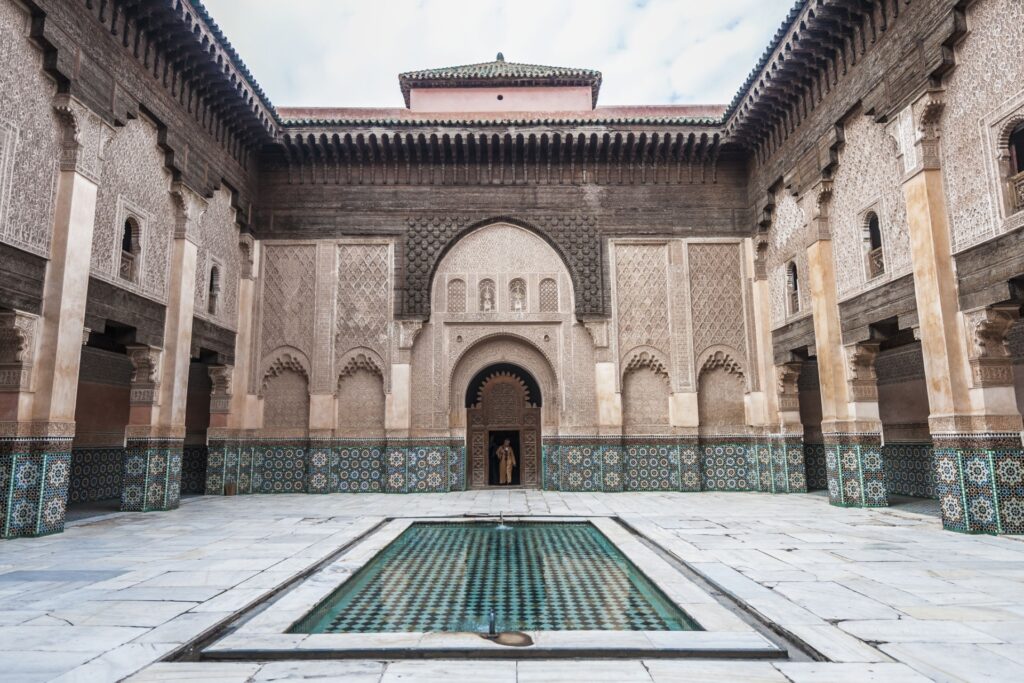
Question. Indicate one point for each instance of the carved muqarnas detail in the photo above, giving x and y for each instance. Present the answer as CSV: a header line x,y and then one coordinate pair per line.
x,y
721,359
360,361
286,362
646,359
503,378
990,357
862,379
17,339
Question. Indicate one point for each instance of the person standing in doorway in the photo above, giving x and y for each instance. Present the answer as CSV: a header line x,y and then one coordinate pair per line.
x,y
506,462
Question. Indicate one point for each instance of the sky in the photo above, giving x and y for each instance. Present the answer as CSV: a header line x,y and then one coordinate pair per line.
x,y
348,53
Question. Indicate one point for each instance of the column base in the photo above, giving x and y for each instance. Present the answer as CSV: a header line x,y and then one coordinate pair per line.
x,y
151,480
34,475
980,482
855,470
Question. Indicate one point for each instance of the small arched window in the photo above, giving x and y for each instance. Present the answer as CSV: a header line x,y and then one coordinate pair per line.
x,y
213,299
873,245
517,295
1017,165
488,301
793,288
131,243
1017,149
457,296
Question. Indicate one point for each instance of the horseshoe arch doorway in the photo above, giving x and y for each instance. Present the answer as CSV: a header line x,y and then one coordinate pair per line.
x,y
503,402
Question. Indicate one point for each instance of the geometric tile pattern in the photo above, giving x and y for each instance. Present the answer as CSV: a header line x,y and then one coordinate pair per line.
x,y
95,474
814,464
151,475
855,469
358,466
34,476
910,469
729,466
981,483
282,465
779,462
193,469
650,464
549,577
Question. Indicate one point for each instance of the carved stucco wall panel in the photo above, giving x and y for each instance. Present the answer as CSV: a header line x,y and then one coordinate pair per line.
x,y
720,400
985,76
361,403
218,245
641,298
577,237
135,183
30,135
867,178
716,292
363,300
787,241
286,307
645,397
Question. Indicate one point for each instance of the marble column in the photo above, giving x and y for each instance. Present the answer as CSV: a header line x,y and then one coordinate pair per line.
x,y
156,432
850,428
975,425
40,354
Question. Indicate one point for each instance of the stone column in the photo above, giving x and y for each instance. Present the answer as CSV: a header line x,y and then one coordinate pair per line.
x,y
41,355
156,433
975,425
234,406
781,461
852,438
606,384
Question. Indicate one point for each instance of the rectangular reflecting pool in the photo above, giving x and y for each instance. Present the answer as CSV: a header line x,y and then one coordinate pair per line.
x,y
447,577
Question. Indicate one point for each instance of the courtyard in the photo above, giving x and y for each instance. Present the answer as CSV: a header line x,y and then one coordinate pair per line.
x,y
857,594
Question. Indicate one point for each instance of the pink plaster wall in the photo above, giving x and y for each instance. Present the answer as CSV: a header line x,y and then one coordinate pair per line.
x,y
514,99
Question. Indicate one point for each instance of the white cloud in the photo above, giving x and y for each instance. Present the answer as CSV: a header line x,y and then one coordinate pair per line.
x,y
350,52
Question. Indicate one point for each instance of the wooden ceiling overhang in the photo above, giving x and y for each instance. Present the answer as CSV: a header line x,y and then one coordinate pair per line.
x,y
180,48
818,43
553,153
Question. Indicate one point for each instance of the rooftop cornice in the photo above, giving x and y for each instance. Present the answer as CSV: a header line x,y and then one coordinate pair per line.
x,y
499,72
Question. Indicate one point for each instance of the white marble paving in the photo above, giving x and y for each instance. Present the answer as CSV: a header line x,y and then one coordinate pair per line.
x,y
889,596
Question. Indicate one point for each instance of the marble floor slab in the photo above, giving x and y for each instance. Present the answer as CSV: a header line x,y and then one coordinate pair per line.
x,y
887,595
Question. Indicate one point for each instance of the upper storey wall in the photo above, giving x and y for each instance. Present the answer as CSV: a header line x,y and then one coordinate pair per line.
x,y
511,99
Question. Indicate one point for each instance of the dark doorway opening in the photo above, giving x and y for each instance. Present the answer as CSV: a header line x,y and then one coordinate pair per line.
x,y
495,440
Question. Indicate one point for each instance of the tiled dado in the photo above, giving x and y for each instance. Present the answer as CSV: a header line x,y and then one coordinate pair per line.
x,y
779,464
814,466
34,476
855,470
980,482
910,469
95,474
671,463
151,478
336,466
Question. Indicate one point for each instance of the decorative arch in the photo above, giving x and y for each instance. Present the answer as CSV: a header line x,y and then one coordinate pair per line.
x,y
432,240
284,359
721,385
502,348
361,400
285,392
360,358
645,357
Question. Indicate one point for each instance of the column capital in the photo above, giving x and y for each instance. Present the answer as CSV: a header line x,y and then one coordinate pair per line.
x,y
145,380
84,137
861,377
17,350
787,376
916,130
220,397
190,209
988,349
247,249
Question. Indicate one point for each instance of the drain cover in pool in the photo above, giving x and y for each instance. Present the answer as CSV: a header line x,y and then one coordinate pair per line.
x,y
536,577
